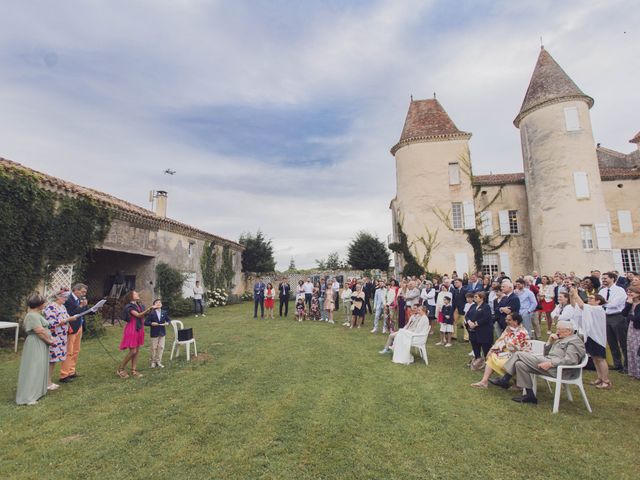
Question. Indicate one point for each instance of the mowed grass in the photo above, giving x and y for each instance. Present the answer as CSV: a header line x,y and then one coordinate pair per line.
x,y
279,399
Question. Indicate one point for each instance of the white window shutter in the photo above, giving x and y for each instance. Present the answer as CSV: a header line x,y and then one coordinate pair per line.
x,y
602,236
609,221
462,264
503,216
487,223
504,263
454,174
617,260
581,183
469,215
624,219
571,119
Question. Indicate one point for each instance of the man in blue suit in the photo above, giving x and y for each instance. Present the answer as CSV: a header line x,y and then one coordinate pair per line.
x,y
509,303
258,297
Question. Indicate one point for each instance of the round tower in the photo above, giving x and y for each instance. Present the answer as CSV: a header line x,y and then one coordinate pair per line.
x,y
431,175
567,212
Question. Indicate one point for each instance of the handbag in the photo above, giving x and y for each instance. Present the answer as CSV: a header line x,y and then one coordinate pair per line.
x,y
185,334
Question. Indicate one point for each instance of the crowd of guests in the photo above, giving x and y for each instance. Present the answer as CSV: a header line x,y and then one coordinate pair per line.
x,y
497,315
54,330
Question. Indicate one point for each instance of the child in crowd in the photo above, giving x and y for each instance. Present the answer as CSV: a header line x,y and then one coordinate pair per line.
x,y
314,313
329,305
300,313
157,320
446,321
388,325
269,299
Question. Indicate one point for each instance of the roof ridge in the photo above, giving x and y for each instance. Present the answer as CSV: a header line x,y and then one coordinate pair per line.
x,y
111,201
427,121
549,84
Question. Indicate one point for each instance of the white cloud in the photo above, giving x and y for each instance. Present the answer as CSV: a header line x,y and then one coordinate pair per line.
x,y
86,89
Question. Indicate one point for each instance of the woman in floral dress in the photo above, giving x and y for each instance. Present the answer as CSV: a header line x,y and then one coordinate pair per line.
x,y
57,317
514,338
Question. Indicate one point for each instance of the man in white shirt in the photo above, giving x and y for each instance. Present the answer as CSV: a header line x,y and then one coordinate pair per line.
x,y
197,299
617,326
308,292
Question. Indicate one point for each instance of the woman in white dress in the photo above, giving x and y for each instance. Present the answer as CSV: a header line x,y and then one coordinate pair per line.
x,y
418,324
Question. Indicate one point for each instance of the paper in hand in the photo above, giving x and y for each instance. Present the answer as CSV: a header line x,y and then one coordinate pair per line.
x,y
93,309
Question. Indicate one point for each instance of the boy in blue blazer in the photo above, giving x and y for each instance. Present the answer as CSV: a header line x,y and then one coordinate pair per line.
x,y
157,320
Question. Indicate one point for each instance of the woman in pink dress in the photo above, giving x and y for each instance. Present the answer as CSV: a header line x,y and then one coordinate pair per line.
x,y
133,334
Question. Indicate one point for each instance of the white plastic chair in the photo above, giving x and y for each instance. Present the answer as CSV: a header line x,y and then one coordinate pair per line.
x,y
177,343
559,381
537,347
419,340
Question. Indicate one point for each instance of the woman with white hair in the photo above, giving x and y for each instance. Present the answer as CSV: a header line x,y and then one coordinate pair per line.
x,y
58,319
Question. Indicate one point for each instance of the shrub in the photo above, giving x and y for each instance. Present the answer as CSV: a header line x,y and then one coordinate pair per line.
x,y
169,286
181,307
246,297
218,297
94,326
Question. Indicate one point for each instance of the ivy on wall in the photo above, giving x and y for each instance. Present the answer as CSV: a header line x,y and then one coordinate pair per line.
x,y
411,267
41,231
212,275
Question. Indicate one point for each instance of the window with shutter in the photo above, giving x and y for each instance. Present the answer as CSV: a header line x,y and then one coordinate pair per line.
x,y
602,236
504,264
586,235
513,221
624,219
469,215
487,223
457,220
462,263
503,217
454,174
571,119
581,184
629,260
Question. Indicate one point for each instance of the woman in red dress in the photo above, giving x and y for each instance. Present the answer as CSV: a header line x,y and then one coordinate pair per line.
x,y
269,299
546,302
133,334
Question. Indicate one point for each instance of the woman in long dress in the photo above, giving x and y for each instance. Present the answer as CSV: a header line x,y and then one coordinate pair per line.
x,y
33,376
357,307
418,324
632,312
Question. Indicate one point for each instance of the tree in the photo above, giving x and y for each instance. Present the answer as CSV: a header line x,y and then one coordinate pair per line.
x,y
333,261
292,266
322,264
258,254
367,252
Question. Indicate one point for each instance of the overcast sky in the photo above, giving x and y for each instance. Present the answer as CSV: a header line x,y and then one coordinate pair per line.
x,y
279,115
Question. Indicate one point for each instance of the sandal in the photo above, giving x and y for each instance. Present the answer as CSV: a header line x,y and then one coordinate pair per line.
x,y
604,385
479,385
121,373
136,374
596,382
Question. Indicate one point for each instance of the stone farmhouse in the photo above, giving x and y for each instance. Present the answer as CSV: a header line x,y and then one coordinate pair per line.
x,y
574,207
137,241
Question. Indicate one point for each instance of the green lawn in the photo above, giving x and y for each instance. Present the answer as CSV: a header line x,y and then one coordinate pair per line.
x,y
278,399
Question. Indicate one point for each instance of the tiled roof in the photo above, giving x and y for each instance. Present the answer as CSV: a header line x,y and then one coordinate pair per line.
x,y
498,179
125,209
549,84
635,139
427,121
619,173
518,178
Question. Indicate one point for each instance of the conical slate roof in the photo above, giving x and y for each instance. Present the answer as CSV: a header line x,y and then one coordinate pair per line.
x,y
549,84
427,121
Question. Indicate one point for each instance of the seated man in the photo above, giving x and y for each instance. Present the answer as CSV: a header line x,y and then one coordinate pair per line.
x,y
414,325
562,348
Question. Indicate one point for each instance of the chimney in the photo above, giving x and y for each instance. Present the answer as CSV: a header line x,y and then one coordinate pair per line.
x,y
161,203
